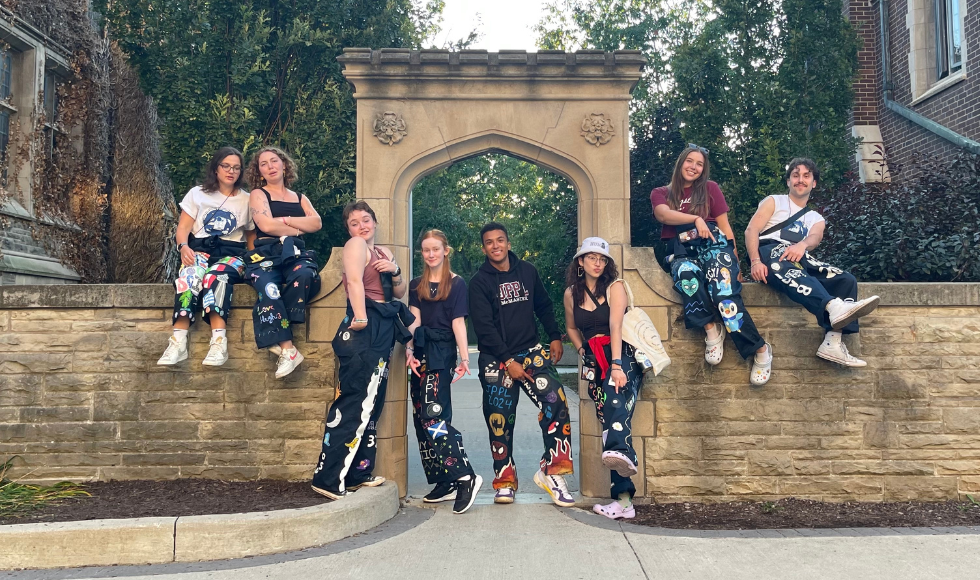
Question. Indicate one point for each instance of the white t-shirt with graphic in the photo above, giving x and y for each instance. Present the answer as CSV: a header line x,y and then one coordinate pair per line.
x,y
794,232
216,214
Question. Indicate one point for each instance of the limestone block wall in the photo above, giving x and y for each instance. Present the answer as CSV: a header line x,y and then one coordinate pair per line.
x,y
81,396
905,427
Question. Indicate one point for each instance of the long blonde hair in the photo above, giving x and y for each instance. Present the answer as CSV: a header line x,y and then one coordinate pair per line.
x,y
445,284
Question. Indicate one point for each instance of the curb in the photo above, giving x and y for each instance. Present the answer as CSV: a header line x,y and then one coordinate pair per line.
x,y
193,538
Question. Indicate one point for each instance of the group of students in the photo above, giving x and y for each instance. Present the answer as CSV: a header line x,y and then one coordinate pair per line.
x,y
227,235
222,244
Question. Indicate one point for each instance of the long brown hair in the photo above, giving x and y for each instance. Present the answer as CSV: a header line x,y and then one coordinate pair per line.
x,y
576,281
210,184
254,177
700,202
445,281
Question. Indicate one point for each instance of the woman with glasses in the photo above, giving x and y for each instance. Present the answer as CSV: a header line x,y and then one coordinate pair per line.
x,y
704,264
280,268
214,229
595,303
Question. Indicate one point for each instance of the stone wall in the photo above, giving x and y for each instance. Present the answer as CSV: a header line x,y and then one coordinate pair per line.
x,y
905,427
81,397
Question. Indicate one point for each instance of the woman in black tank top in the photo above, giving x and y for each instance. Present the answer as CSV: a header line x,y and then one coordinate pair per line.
x,y
595,302
284,274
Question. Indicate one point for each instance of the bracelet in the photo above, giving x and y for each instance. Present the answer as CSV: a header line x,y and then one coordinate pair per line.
x,y
507,364
409,349
181,246
756,261
617,361
356,320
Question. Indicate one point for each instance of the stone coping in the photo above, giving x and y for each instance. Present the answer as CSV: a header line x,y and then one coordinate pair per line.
x,y
193,538
545,62
644,261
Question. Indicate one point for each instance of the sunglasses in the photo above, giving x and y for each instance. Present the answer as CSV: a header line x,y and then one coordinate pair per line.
x,y
697,148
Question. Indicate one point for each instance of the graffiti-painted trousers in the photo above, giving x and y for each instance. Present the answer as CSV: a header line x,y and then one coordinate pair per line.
x,y
810,283
615,413
350,439
440,444
706,276
208,285
500,397
285,277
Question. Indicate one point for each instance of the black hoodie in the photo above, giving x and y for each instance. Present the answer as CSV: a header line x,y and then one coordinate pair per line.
x,y
503,305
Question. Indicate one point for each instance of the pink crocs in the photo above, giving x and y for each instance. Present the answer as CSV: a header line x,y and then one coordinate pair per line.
x,y
614,511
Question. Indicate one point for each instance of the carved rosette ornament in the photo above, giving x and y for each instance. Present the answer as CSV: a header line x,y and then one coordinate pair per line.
x,y
597,129
389,128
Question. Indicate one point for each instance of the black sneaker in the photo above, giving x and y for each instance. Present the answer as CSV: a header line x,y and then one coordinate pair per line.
x,y
445,491
333,494
373,481
467,493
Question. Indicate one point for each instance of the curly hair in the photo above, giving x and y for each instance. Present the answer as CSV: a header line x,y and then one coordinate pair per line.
x,y
254,177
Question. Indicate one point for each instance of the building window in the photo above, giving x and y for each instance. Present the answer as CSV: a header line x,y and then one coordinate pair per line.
x,y
949,38
6,70
51,126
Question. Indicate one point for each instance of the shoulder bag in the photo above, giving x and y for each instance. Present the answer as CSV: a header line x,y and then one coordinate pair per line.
x,y
639,331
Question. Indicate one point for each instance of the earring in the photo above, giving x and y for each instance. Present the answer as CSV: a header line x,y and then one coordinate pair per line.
x,y
581,272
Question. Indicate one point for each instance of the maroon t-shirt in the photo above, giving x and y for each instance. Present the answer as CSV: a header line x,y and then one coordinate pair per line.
x,y
716,205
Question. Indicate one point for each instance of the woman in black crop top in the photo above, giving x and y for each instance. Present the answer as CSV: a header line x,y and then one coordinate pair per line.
x,y
284,274
595,302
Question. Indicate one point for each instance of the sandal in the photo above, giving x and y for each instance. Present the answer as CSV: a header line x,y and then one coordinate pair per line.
x,y
714,350
761,372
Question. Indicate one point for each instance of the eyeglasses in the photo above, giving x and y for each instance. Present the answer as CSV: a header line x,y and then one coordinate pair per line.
x,y
697,148
230,168
597,259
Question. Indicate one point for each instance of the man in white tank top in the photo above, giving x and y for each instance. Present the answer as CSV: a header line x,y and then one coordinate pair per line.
x,y
779,239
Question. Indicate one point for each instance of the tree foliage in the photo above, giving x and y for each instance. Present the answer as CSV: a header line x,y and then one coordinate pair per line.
x,y
756,83
539,209
255,72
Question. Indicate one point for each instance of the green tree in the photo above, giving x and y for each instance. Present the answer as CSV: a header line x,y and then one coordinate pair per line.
x,y
257,72
539,209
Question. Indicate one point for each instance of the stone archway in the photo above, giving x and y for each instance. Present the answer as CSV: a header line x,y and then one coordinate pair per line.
x,y
421,111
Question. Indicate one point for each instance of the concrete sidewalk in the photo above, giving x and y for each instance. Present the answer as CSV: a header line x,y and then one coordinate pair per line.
x,y
536,540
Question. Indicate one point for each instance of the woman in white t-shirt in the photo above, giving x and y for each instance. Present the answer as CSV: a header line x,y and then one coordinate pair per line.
x,y
214,230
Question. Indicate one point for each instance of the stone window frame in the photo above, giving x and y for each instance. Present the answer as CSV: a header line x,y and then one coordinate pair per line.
x,y
7,110
53,128
924,50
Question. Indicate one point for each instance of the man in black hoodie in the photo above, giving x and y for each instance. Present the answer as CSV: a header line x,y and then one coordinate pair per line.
x,y
505,296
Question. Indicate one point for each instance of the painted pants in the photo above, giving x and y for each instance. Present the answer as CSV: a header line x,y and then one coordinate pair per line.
x,y
810,283
500,399
350,440
707,280
440,444
615,413
208,285
284,286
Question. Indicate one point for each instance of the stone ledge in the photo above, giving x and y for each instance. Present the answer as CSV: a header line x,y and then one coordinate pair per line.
x,y
193,538
547,62
644,262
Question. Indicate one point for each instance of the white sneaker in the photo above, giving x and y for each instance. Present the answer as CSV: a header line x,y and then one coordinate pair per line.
x,y
288,361
218,353
844,312
833,349
176,352
556,488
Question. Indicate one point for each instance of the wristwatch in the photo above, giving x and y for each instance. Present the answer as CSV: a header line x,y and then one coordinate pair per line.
x,y
397,272
617,361
181,246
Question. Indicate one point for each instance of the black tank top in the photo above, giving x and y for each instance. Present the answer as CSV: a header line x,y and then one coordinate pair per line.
x,y
592,323
281,209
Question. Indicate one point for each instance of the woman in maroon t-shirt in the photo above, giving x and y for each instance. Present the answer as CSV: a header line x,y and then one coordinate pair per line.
x,y
705,268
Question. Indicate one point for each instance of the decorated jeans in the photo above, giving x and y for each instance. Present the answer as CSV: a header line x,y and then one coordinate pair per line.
x,y
284,282
500,397
615,413
707,280
350,439
440,444
810,283
207,285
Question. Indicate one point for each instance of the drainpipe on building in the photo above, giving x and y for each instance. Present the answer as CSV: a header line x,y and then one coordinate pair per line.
x,y
928,124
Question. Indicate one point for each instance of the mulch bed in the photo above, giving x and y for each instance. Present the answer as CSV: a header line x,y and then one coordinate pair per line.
x,y
184,497
801,513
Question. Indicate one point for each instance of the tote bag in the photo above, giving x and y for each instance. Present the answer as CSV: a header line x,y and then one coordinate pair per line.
x,y
639,331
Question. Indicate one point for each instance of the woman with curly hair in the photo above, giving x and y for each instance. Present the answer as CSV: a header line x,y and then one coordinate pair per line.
x,y
282,271
213,232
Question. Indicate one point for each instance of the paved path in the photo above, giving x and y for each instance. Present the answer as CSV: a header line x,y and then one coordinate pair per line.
x,y
535,540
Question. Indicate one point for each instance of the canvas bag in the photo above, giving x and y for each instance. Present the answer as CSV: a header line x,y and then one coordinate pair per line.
x,y
639,331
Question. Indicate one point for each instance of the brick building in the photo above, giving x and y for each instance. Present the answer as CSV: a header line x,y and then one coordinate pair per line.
x,y
918,90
